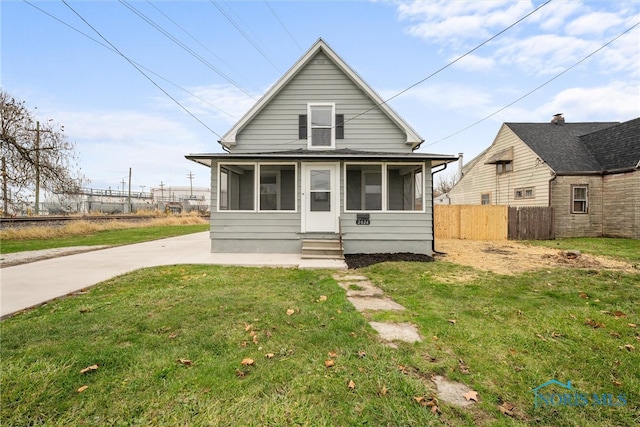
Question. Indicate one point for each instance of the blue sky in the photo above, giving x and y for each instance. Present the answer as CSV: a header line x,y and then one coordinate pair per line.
x,y
231,52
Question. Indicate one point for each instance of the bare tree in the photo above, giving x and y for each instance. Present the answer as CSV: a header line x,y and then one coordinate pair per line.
x,y
34,155
444,184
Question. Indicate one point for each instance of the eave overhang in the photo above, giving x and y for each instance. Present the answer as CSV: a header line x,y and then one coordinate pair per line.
x,y
208,159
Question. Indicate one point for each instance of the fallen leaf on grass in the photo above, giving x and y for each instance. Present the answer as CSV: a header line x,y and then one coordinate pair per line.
x,y
83,388
452,321
618,314
322,298
471,395
172,336
632,325
185,362
247,328
463,368
328,363
351,385
247,362
507,409
628,347
583,295
541,337
269,355
594,324
290,312
615,335
383,391
617,383
332,354
556,335
240,374
89,369
362,354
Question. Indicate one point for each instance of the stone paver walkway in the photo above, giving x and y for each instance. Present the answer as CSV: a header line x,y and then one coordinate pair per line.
x,y
364,296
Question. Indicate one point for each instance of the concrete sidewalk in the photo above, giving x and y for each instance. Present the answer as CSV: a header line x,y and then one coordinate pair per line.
x,y
28,285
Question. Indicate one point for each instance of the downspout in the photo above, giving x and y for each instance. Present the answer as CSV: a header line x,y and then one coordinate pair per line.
x,y
553,178
433,218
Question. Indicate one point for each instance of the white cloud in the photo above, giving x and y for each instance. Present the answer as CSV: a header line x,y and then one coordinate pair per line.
x,y
450,22
617,101
593,24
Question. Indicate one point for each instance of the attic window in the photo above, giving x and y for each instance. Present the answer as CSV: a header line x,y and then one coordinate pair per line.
x,y
325,125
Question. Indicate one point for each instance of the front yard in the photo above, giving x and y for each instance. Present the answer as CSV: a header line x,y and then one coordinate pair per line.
x,y
203,345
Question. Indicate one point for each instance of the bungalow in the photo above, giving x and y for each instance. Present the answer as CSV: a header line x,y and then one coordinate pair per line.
x,y
321,157
588,172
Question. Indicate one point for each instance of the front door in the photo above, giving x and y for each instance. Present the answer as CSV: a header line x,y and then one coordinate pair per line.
x,y
321,197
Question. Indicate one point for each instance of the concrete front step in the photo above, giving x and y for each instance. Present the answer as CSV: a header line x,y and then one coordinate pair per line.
x,y
321,249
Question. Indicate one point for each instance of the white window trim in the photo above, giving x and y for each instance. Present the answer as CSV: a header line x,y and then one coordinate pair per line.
x,y
256,186
332,127
295,186
385,196
585,200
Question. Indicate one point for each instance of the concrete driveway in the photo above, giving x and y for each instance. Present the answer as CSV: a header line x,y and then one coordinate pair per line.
x,y
28,285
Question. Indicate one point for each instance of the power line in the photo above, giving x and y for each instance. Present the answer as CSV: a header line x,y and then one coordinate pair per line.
x,y
133,64
283,26
186,48
538,87
198,41
245,35
137,63
457,59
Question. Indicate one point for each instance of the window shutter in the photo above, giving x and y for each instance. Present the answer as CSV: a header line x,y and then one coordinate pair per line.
x,y
302,126
339,126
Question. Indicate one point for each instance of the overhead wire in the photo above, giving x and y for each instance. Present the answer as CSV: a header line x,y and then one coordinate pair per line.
x,y
137,63
186,48
192,37
133,64
283,26
245,35
566,70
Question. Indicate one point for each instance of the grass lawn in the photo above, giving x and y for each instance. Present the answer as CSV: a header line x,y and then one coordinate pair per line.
x,y
101,237
169,343
627,249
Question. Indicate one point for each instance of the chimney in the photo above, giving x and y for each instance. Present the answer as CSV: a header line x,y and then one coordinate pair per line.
x,y
558,119
459,166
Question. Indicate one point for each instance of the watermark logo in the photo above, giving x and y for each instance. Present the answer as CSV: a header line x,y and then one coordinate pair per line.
x,y
565,395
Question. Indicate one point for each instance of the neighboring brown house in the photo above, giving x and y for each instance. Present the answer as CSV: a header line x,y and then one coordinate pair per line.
x,y
588,172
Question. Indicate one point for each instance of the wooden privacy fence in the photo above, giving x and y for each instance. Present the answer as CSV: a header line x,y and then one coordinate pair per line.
x,y
493,222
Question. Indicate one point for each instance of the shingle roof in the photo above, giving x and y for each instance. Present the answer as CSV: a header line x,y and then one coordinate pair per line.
x,y
560,146
616,147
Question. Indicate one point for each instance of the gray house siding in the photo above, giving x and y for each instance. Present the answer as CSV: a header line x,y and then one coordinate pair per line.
x,y
280,232
622,212
275,128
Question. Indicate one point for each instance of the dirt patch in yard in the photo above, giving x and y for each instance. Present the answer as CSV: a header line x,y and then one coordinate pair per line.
x,y
498,256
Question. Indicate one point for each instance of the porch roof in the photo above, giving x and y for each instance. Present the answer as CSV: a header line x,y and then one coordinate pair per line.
x,y
326,155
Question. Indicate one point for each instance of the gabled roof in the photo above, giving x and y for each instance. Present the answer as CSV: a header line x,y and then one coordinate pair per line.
x,y
617,147
229,138
560,146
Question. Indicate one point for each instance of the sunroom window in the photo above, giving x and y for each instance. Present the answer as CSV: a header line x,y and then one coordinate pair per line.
x,y
364,187
277,188
404,188
237,187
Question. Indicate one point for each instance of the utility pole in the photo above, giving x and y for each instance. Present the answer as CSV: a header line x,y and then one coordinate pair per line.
x,y
37,168
191,176
130,191
5,207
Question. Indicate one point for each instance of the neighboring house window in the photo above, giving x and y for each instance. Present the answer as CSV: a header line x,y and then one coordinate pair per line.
x,y
579,198
485,199
404,188
524,193
364,187
237,184
504,167
277,187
